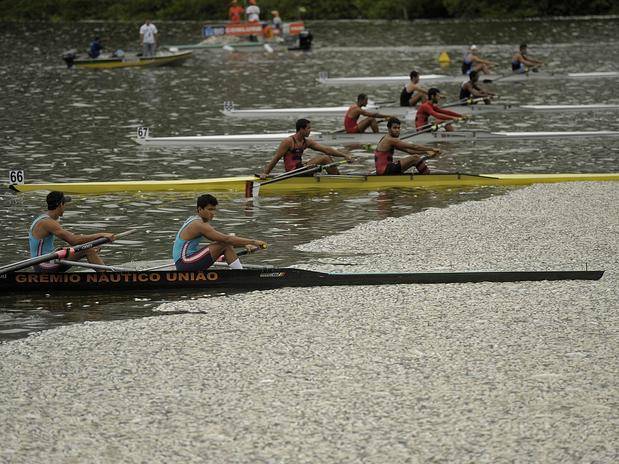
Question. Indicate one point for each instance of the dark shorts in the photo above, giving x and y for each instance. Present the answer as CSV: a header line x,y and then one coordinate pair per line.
x,y
197,262
393,169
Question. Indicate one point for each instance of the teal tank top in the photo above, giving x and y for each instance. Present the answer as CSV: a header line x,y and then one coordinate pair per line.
x,y
43,246
186,247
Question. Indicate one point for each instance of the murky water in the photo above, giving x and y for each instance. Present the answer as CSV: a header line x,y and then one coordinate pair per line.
x,y
62,124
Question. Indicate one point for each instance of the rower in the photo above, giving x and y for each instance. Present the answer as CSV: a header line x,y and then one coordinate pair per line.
x,y
522,62
412,93
352,125
471,90
431,108
46,227
292,148
473,62
187,254
383,155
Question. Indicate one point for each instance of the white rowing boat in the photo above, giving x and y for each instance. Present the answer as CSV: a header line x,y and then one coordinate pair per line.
x,y
342,138
405,111
441,78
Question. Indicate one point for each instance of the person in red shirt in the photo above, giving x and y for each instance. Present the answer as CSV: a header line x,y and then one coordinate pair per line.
x,y
235,12
292,148
352,125
383,155
431,108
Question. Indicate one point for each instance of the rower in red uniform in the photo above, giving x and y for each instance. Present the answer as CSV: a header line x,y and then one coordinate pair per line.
x,y
383,155
431,108
292,148
352,125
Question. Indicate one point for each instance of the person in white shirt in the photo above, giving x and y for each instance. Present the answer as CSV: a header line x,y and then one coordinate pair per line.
x,y
148,39
253,12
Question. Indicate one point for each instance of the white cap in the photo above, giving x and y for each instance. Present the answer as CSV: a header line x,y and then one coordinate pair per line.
x,y
473,47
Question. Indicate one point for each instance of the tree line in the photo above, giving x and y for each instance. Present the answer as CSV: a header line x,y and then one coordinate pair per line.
x,y
216,10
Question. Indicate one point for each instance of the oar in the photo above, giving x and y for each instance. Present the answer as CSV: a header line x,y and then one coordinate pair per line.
x,y
241,252
465,101
59,254
255,186
427,128
503,76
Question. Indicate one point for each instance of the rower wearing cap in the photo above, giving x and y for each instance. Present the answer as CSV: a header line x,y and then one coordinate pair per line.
x,y
471,90
352,125
412,93
292,148
46,227
186,251
521,61
431,108
473,62
383,155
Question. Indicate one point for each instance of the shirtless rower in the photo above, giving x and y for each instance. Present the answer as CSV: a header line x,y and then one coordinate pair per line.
x,y
412,93
352,125
292,148
473,62
186,251
522,62
383,155
46,227
431,108
471,90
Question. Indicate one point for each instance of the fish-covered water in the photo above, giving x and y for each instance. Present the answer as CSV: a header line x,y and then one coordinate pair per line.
x,y
60,124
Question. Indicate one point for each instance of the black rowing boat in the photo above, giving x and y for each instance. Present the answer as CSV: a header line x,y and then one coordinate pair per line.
x,y
256,279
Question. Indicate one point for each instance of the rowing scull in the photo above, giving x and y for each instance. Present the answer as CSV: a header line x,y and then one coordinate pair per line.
x,y
319,182
439,78
408,112
343,138
255,279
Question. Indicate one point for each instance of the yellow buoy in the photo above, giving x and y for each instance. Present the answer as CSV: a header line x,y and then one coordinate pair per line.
x,y
444,58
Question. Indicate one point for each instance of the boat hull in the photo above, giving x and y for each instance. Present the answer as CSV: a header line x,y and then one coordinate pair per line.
x,y
130,60
439,78
343,138
254,279
408,112
318,182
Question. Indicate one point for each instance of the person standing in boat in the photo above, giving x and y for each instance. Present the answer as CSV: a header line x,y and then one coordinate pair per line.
x,y
46,226
413,93
352,125
431,108
277,22
95,47
522,62
235,12
383,155
253,16
471,90
253,12
291,150
148,39
472,62
186,251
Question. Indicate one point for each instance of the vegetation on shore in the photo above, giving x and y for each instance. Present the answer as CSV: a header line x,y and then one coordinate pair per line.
x,y
216,10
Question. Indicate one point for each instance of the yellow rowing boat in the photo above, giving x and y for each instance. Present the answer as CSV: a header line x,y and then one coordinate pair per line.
x,y
318,182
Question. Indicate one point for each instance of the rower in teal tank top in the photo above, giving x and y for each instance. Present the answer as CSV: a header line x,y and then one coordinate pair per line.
x,y
187,254
43,246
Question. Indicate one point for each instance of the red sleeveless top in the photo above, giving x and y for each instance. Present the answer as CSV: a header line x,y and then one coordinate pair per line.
x,y
350,124
293,159
382,159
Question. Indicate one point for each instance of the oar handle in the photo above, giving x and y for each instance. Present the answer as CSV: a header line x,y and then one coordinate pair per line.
x,y
65,252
